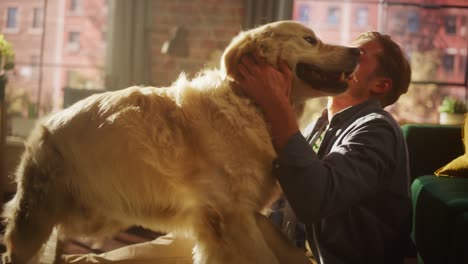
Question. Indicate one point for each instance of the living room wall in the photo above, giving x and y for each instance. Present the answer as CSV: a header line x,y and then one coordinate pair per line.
x,y
209,24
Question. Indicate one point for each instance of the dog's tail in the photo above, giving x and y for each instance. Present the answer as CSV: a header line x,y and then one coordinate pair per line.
x,y
31,215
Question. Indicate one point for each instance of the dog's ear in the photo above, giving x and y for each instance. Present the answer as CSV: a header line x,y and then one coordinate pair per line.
x,y
255,41
241,45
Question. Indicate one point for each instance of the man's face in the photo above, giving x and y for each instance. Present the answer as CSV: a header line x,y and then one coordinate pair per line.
x,y
361,81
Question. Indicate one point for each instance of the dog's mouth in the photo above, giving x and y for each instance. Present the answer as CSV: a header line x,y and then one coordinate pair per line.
x,y
326,81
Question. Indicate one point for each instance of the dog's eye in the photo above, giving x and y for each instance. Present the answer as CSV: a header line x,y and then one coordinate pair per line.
x,y
311,40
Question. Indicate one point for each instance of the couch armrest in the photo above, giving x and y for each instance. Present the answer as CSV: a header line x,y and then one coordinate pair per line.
x,y
440,219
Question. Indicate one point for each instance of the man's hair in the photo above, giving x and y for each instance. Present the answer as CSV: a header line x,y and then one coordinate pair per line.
x,y
392,63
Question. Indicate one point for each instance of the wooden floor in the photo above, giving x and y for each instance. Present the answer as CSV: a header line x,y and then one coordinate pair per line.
x,y
131,236
128,237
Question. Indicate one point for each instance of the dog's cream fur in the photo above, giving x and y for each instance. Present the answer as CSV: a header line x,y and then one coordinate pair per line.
x,y
194,158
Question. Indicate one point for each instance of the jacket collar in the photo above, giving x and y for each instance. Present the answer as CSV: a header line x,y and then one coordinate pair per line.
x,y
348,113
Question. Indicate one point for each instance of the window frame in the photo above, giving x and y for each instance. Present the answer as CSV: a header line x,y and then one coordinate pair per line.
x,y
357,10
329,22
39,20
449,26
76,9
73,46
16,29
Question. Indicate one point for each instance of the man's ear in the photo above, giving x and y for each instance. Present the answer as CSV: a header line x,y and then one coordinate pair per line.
x,y
382,86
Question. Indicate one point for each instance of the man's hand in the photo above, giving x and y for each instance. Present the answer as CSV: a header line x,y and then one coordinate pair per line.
x,y
264,84
271,90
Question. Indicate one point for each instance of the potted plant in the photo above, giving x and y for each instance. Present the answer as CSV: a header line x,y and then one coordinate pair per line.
x,y
452,111
6,63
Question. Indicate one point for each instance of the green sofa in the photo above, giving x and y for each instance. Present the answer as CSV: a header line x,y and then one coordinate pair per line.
x,y
431,147
440,204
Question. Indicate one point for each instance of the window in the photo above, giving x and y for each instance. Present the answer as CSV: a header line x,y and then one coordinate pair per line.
x,y
435,41
74,37
448,61
74,5
12,18
304,12
37,18
463,26
413,22
362,17
450,25
73,41
397,25
333,18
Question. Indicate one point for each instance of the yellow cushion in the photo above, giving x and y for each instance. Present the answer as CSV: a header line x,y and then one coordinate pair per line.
x,y
459,166
456,168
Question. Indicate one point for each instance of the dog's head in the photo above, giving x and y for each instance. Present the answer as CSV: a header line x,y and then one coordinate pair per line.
x,y
320,69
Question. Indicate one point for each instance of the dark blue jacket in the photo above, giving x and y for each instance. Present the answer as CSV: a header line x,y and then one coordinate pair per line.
x,y
354,194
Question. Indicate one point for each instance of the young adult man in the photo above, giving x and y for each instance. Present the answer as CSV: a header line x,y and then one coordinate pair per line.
x,y
353,194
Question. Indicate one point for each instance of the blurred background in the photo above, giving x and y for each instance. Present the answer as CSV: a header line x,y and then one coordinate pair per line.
x,y
68,49
65,50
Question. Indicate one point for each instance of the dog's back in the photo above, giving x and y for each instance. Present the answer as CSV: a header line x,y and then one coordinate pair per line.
x,y
169,159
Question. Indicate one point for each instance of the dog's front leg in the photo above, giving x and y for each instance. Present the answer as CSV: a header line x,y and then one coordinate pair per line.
x,y
240,241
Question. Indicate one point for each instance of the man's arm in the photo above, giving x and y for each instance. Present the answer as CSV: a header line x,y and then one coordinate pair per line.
x,y
270,89
354,170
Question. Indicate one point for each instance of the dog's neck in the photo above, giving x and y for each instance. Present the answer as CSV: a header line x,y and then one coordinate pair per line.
x,y
235,88
298,106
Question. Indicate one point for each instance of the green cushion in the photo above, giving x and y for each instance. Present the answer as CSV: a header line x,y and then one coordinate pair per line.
x,y
431,146
440,218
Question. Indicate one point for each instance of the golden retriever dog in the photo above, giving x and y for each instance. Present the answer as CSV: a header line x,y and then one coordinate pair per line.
x,y
193,159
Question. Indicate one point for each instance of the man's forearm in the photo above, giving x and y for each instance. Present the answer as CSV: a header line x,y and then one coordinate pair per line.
x,y
283,123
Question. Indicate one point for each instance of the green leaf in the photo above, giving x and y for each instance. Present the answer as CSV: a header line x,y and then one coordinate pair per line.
x,y
9,66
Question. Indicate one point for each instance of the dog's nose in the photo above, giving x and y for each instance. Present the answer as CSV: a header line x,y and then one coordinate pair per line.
x,y
355,51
